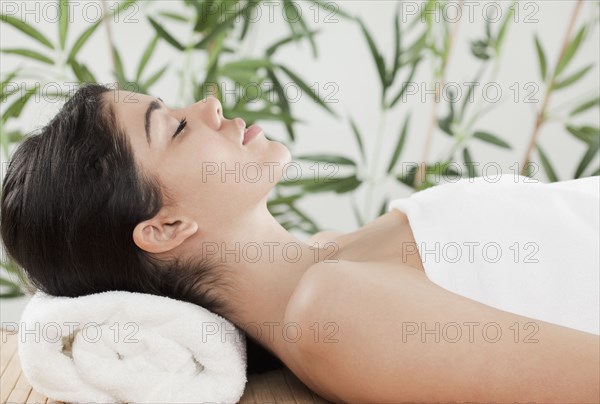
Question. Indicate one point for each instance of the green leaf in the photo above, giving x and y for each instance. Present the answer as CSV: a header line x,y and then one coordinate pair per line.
x,y
294,37
156,76
165,35
82,72
587,134
481,49
469,163
346,185
408,178
529,169
26,29
282,101
220,28
7,93
63,22
251,6
29,54
384,206
145,57
445,124
573,78
6,139
359,141
467,100
291,20
589,155
399,145
283,200
488,137
541,58
504,27
305,88
406,83
327,158
415,49
248,64
291,5
15,137
83,38
14,290
585,106
5,145
547,165
597,172
379,62
16,107
325,183
119,71
398,47
174,16
570,52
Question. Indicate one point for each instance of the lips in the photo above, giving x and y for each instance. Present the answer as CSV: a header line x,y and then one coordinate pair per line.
x,y
242,125
251,133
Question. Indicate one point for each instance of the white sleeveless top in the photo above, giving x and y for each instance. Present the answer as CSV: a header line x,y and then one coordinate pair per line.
x,y
513,243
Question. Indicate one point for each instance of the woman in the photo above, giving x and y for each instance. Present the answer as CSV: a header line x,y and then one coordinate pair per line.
x,y
121,192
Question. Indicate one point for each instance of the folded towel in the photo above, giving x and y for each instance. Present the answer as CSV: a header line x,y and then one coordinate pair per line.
x,y
514,243
120,346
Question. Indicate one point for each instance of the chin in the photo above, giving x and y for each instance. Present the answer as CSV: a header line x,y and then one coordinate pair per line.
x,y
278,152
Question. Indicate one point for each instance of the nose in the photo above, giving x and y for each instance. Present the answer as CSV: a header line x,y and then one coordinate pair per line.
x,y
213,110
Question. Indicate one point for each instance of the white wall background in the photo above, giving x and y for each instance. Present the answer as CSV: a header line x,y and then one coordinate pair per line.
x,y
344,59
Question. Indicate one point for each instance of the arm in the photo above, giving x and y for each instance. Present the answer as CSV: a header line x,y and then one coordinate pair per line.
x,y
388,319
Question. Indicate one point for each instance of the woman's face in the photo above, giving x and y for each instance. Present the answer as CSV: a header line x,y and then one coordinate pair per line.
x,y
207,170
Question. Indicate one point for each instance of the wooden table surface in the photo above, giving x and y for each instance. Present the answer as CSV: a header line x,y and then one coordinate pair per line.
x,y
278,386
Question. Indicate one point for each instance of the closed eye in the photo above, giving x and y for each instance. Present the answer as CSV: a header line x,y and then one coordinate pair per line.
x,y
180,128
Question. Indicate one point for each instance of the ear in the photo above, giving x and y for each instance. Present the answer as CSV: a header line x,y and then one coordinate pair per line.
x,y
163,233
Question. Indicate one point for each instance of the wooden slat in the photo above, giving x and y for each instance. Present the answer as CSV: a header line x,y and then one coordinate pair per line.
x,y
21,390
14,387
248,396
9,378
280,391
301,393
7,349
36,398
260,390
318,399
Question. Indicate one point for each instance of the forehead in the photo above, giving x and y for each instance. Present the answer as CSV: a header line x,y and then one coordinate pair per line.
x,y
122,100
129,109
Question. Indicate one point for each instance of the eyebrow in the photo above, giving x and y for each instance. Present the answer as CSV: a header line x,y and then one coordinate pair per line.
x,y
154,105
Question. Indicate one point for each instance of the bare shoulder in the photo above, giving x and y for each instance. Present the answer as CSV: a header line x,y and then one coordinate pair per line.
x,y
326,281
314,286
328,290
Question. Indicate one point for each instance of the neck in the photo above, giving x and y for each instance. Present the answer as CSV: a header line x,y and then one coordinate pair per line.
x,y
266,262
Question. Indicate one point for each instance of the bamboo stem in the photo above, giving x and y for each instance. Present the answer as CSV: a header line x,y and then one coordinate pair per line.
x,y
435,109
541,115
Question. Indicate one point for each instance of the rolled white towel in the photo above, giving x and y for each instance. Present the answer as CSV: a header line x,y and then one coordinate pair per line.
x,y
120,346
